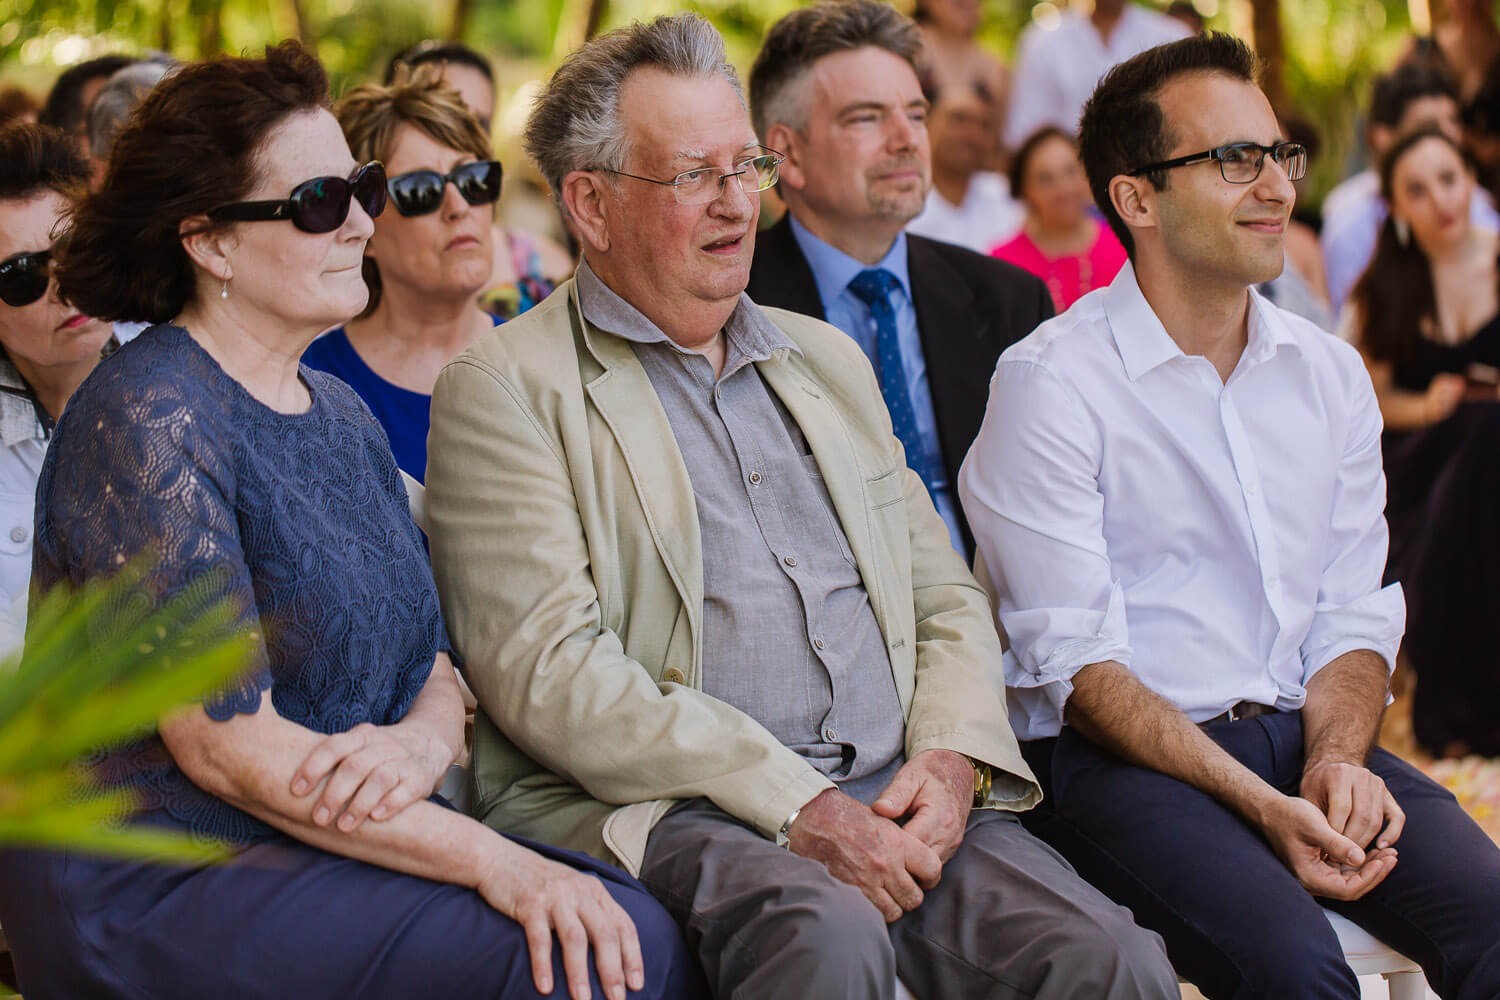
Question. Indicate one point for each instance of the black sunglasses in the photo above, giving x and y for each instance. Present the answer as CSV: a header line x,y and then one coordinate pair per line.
x,y
420,192
24,277
317,206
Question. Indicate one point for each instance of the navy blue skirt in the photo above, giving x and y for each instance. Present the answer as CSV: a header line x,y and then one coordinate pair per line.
x,y
284,919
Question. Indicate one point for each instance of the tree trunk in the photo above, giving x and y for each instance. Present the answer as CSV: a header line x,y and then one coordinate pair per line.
x,y
579,21
1269,45
458,25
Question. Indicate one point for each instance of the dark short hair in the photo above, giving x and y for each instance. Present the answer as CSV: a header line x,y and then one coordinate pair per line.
x,y
64,107
16,102
1410,81
433,50
36,158
804,36
1122,126
1022,159
192,145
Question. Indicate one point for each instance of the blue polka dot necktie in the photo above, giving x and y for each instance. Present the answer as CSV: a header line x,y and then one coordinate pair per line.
x,y
873,287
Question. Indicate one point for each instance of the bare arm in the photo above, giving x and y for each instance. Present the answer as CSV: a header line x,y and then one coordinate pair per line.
x,y
250,761
1339,724
1113,708
1405,410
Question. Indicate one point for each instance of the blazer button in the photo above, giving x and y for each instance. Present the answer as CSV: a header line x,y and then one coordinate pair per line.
x,y
673,676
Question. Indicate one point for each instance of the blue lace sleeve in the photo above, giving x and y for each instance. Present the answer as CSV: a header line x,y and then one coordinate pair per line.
x,y
136,473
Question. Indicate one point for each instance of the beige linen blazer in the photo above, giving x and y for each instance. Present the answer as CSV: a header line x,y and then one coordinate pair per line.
x,y
566,549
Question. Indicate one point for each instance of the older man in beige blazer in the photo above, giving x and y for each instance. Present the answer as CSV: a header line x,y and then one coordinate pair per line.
x,y
715,626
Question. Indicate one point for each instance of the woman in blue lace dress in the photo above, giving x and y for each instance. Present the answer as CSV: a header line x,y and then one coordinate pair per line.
x,y
235,218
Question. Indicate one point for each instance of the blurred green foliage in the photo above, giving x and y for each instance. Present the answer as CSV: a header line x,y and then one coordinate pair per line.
x,y
1333,47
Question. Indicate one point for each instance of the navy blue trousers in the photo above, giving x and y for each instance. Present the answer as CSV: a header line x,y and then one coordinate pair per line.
x,y
284,919
1235,921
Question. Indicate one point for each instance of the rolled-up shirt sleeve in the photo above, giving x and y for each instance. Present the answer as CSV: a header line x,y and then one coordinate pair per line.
x,y
1030,489
1353,610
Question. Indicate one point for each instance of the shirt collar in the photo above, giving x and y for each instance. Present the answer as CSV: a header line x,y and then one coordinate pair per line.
x,y
833,269
752,335
1144,343
18,413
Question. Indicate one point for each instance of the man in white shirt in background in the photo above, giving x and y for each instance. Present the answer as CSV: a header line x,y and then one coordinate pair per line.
x,y
1060,59
968,205
1177,491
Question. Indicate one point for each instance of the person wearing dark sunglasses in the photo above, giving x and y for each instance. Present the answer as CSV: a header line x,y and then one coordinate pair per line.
x,y
431,254
238,478
47,347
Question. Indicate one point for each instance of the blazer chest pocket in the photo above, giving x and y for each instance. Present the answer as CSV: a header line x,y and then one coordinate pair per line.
x,y
886,490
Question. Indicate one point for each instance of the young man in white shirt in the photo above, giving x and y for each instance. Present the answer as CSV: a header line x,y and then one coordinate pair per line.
x,y
1177,491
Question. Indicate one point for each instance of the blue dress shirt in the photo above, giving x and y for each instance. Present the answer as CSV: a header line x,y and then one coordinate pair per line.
x,y
832,271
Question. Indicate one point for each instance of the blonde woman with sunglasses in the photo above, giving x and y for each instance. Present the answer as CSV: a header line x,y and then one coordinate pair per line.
x,y
431,254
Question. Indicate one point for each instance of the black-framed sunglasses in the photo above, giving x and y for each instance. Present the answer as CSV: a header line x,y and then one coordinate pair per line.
x,y
705,184
1241,162
24,277
317,206
420,192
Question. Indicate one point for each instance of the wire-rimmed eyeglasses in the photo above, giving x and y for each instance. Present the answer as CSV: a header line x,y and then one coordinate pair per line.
x,y
1241,162
705,184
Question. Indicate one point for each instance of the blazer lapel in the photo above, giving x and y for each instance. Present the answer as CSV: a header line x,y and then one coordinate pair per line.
x,y
953,332
628,404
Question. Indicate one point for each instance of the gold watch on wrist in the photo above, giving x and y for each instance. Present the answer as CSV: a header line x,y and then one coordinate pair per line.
x,y
983,778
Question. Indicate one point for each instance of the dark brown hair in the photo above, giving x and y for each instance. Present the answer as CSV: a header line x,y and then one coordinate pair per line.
x,y
1395,295
1022,159
805,36
1122,127
190,147
36,158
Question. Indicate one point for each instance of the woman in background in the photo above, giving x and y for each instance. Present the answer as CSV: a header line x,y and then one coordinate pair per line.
x,y
1062,241
429,258
47,347
1426,317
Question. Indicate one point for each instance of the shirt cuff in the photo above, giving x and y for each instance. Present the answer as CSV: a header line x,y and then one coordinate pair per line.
x,y
1375,622
1050,645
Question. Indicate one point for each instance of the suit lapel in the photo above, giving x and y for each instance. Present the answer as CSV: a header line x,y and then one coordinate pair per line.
x,y
628,404
780,274
952,331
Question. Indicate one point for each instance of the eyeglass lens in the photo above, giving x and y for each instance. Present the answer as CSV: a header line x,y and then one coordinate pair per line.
x,y
24,278
1242,164
420,192
696,187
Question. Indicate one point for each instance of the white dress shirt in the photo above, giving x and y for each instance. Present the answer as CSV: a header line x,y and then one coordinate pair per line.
x,y
1223,540
1058,64
987,217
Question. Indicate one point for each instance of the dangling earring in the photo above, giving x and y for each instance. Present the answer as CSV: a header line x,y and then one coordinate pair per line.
x,y
224,292
1403,230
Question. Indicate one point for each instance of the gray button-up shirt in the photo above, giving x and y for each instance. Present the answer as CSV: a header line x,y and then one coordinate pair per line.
x,y
789,637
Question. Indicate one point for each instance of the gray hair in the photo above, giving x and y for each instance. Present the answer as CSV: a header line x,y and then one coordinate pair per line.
x,y
575,123
796,42
121,94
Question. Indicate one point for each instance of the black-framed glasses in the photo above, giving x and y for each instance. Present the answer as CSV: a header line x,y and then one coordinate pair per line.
x,y
1240,162
704,184
317,206
419,192
24,277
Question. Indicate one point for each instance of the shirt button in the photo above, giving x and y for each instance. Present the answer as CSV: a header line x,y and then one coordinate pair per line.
x,y
755,479
18,534
673,676
817,643
789,560
1250,488
830,735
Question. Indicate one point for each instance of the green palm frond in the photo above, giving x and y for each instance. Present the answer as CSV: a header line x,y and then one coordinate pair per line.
x,y
102,665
